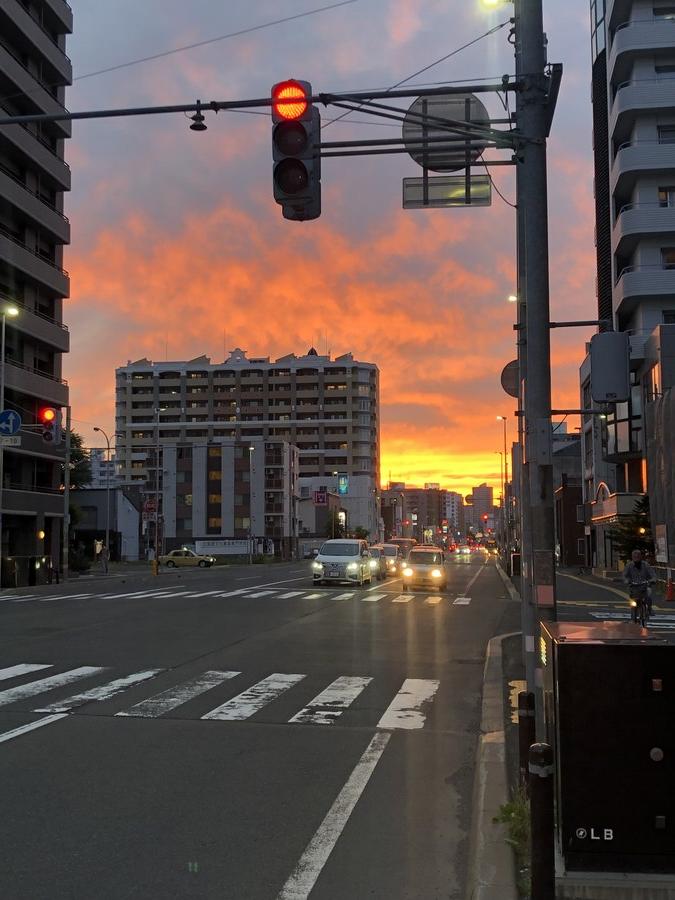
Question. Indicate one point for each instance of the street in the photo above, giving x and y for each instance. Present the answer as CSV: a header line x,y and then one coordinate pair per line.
x,y
235,733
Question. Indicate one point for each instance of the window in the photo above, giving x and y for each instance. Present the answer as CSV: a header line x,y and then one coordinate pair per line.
x,y
665,69
668,316
666,134
215,498
215,522
668,257
667,196
664,12
214,475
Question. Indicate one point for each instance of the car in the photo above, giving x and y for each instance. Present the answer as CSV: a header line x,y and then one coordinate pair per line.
x,y
393,557
186,558
463,549
425,566
378,562
343,559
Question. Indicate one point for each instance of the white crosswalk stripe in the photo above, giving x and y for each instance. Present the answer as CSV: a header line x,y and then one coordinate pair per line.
x,y
23,691
461,601
176,696
344,596
372,598
64,597
325,708
31,726
290,594
7,599
261,594
21,669
432,600
252,700
402,598
405,710
207,593
315,596
104,692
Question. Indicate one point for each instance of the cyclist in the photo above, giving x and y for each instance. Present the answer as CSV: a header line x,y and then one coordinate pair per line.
x,y
639,575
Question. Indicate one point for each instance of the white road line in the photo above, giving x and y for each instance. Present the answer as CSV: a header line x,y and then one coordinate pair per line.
x,y
325,708
305,875
173,594
104,692
470,584
21,669
291,594
65,597
132,594
344,596
375,587
402,598
176,696
405,710
238,592
207,593
433,600
461,601
372,598
31,726
22,691
261,594
254,698
19,597
315,596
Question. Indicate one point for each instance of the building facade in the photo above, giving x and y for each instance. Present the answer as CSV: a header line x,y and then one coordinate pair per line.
x,y
328,408
454,513
34,74
103,470
633,82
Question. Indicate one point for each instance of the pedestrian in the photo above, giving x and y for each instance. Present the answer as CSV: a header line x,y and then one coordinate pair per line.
x,y
104,557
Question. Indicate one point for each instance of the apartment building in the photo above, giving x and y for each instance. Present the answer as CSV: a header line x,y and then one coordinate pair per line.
x,y
34,74
633,85
454,512
103,469
327,408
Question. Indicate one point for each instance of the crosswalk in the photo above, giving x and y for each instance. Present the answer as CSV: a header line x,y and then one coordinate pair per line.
x,y
245,699
252,593
659,620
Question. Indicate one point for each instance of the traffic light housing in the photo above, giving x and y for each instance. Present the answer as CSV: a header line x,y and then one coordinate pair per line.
x,y
296,135
50,420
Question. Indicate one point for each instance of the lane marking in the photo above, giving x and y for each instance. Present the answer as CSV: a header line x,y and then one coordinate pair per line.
x,y
24,729
305,875
254,698
344,596
47,684
261,594
130,594
402,598
325,708
206,593
291,594
21,669
315,596
405,710
104,692
167,700
461,601
20,597
239,592
470,584
433,600
372,598
65,597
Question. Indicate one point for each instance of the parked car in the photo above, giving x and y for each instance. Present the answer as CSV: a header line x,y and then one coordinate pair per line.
x,y
425,567
343,560
378,561
186,558
393,557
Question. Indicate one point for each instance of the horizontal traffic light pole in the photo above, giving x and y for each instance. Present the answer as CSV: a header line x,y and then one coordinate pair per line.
x,y
373,151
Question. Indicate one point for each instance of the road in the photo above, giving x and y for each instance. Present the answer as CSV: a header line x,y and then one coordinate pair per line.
x,y
237,733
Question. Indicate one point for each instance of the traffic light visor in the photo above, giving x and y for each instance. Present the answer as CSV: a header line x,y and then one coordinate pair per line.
x,y
289,100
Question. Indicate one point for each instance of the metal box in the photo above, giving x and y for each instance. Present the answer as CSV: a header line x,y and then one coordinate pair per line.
x,y
609,705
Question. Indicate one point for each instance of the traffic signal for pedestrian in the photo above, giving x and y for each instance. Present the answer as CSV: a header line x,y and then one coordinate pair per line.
x,y
296,137
50,420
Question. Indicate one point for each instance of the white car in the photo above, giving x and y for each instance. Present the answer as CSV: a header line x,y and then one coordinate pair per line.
x,y
343,559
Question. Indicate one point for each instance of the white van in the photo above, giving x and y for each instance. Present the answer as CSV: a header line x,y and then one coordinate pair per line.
x,y
343,559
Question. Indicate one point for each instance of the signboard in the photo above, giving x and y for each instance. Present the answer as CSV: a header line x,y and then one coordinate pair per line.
x,y
509,378
222,548
446,191
343,485
661,543
10,422
14,441
320,498
435,131
610,359
150,505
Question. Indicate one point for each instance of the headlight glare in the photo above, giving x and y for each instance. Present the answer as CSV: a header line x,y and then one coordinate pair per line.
x,y
407,571
373,564
435,573
317,566
352,567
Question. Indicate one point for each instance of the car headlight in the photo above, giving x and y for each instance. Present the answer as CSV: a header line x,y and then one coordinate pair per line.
x,y
435,573
317,566
352,567
391,563
407,571
373,564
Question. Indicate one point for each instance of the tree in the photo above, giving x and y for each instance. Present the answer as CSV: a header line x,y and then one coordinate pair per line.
x,y
80,464
361,532
634,532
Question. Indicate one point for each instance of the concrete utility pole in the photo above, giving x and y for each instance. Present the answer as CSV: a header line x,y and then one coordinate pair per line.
x,y
538,528
66,499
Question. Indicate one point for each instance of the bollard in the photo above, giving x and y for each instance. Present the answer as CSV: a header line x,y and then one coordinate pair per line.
x,y
541,821
154,567
526,734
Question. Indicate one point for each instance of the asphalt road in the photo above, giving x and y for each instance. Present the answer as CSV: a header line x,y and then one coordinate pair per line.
x,y
236,733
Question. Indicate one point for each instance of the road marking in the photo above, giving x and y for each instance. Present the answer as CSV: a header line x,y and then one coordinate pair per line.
x,y
375,587
254,698
291,594
344,596
47,684
238,592
31,726
470,584
176,696
461,601
433,600
64,597
131,594
104,692
315,596
402,598
325,708
372,598
405,710
305,875
174,594
19,597
207,593
21,669
603,587
261,594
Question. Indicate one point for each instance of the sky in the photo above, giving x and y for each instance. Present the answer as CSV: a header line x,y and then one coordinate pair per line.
x,y
178,248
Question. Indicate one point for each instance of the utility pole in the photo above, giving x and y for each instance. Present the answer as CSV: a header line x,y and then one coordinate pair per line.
x,y
66,499
538,529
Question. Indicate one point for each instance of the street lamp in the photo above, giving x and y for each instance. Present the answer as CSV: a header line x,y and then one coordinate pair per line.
x,y
503,419
10,311
107,498
512,298
250,504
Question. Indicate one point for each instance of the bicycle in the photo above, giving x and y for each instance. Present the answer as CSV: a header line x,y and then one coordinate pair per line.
x,y
639,602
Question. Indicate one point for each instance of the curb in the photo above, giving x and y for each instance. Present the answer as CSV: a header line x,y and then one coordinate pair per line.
x,y
492,874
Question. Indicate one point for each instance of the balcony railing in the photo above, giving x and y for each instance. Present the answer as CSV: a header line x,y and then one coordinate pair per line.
x,y
21,184
34,371
37,137
10,235
33,312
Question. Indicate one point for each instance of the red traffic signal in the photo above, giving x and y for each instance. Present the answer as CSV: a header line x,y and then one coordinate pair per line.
x,y
290,100
296,138
47,415
50,419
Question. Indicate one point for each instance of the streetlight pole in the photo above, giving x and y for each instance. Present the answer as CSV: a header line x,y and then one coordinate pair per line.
x,y
107,497
331,512
8,311
156,560
250,504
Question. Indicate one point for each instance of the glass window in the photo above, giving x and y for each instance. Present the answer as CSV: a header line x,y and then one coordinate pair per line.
x,y
215,498
665,69
666,134
215,522
667,196
664,12
668,316
622,437
214,475
668,257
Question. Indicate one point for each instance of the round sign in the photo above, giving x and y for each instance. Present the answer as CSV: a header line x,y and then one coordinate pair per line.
x,y
424,122
510,378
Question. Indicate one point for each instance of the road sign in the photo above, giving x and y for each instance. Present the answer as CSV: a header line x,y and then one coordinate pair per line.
x,y
343,485
430,120
10,441
446,190
10,422
320,498
510,378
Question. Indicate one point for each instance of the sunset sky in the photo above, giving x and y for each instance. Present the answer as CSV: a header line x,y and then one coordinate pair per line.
x,y
178,247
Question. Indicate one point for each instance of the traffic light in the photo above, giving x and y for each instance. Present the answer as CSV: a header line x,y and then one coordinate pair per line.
x,y
50,420
296,136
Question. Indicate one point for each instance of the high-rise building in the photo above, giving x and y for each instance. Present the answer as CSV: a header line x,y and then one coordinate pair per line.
x,y
633,78
34,73
103,471
328,408
454,511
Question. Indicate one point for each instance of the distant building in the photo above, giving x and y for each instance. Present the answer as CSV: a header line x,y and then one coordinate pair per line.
x,y
121,509
454,512
103,470
482,515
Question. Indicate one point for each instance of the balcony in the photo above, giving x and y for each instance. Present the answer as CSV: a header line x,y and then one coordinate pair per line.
x,y
42,213
635,39
637,283
618,11
636,97
43,329
27,84
35,150
608,507
43,43
16,254
639,220
62,12
638,158
31,500
38,384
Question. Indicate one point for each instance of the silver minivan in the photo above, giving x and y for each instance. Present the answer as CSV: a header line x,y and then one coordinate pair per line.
x,y
343,559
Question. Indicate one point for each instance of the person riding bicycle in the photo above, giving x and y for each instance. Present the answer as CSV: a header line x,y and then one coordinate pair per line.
x,y
638,572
